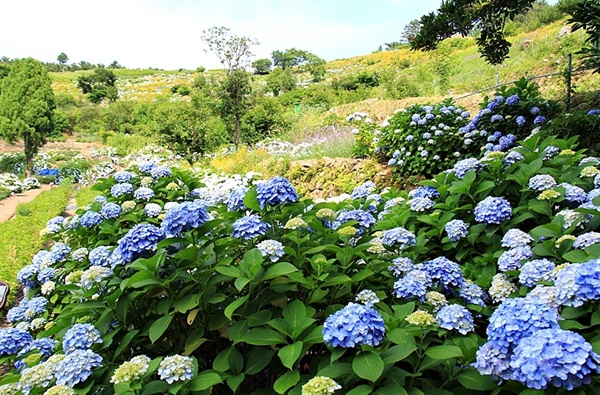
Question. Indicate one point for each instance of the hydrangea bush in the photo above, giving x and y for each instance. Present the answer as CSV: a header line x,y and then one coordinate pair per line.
x,y
492,284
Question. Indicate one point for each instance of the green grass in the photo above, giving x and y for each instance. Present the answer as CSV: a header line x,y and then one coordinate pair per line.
x,y
22,233
85,196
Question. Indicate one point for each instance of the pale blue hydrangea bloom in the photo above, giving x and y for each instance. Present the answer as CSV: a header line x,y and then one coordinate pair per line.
x,y
420,204
574,194
456,229
492,360
13,340
461,167
586,240
399,237
554,356
442,271
119,190
123,176
59,251
100,256
541,182
400,266
457,317
492,210
46,274
235,201
76,367
516,238
277,190
79,254
184,217
175,368
139,240
90,219
249,227
354,325
472,293
272,249
367,297
365,189
80,337
512,100
578,283
511,259
537,270
146,167
365,219
152,210
160,171
410,286
144,193
512,157
110,210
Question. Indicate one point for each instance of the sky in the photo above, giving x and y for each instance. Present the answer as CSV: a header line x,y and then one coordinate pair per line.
x,y
166,34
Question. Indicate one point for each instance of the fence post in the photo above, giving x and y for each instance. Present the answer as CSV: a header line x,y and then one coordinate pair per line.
x,y
497,79
568,77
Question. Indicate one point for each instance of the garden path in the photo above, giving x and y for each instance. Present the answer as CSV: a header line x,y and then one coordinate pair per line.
x,y
8,206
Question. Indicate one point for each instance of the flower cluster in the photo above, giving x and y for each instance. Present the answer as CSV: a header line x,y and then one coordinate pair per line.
x,y
320,385
399,237
138,240
175,368
249,227
354,325
272,249
456,229
493,210
183,217
277,190
454,316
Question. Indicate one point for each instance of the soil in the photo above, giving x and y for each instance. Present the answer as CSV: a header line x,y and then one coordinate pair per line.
x,y
8,206
68,145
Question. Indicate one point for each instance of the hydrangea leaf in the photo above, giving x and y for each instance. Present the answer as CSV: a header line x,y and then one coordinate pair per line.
x,y
473,380
444,352
286,381
368,366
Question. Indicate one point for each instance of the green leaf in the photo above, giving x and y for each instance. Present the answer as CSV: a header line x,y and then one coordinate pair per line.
x,y
290,354
336,370
229,310
159,327
368,366
155,387
221,362
401,337
393,389
204,381
251,201
263,337
279,269
230,271
444,352
125,342
187,302
540,206
360,390
234,382
286,381
576,256
257,359
397,353
473,380
314,336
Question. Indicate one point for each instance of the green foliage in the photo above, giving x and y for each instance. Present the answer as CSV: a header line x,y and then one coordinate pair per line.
x,y
99,85
587,16
462,16
262,66
280,81
26,106
231,50
266,118
540,14
234,91
585,124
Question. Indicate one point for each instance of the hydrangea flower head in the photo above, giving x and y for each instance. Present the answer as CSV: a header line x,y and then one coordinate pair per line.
x,y
160,171
420,318
456,229
121,189
578,283
512,100
175,368
76,367
295,223
541,182
516,238
249,227
445,272
272,249
454,316
90,219
554,356
420,204
461,167
123,176
235,201
131,370
511,259
139,240
367,297
13,340
277,190
94,274
110,210
492,361
59,251
493,210
146,167
100,255
536,270
152,210
184,217
574,194
472,293
399,237
501,288
354,325
143,193
80,337
363,190
365,219
320,385
410,286
586,240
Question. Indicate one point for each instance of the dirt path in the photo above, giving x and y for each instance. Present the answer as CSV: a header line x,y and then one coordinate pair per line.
x,y
8,206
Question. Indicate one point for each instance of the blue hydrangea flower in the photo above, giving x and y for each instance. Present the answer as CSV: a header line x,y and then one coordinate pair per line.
x,y
507,142
175,368
420,204
272,249
365,220
400,266
365,189
101,199
277,190
512,157
160,171
79,254
143,193
43,258
152,210
76,367
410,286
59,251
55,221
122,189
46,274
454,316
13,340
520,120
184,217
550,152
516,238
354,325
140,239
90,219
554,356
519,318
511,259
45,346
493,361
443,271
461,167
492,210
472,293
26,275
425,192
536,270
539,120
16,313
574,194
35,306
578,283
399,237
110,210
100,256
492,105
456,229
146,167
123,176
235,201
249,227
512,100
586,240
496,118
80,337
392,162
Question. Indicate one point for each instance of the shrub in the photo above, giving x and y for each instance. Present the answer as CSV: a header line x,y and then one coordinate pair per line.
x,y
585,124
373,294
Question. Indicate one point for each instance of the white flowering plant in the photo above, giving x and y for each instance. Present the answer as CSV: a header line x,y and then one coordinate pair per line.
x,y
259,290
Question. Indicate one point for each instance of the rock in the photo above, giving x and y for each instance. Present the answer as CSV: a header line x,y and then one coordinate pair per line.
x,y
526,44
564,31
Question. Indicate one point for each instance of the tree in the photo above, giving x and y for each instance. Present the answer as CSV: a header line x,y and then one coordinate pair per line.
x,y
26,106
63,59
464,16
233,52
280,80
410,31
99,85
189,129
262,66
115,65
586,15
308,61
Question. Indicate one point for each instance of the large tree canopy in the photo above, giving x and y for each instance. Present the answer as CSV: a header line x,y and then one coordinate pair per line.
x,y
26,106
462,17
586,15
